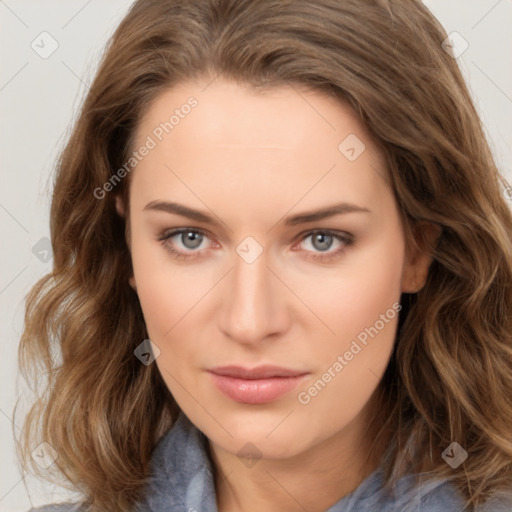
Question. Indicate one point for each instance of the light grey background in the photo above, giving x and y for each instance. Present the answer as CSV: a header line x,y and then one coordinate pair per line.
x,y
39,99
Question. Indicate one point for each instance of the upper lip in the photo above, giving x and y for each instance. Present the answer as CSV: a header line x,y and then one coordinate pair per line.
x,y
260,372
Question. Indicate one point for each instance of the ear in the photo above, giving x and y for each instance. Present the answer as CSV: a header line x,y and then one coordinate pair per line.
x,y
121,211
419,257
120,206
132,282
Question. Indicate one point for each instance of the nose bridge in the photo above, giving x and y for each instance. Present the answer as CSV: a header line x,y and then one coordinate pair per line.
x,y
252,304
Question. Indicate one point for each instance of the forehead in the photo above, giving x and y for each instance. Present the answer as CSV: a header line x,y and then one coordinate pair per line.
x,y
230,114
283,140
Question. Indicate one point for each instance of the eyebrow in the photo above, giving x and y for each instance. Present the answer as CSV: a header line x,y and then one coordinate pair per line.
x,y
302,218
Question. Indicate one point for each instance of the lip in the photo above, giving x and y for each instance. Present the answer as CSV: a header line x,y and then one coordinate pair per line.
x,y
259,372
258,385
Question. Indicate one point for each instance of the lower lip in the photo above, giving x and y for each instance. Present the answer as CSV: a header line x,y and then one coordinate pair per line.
x,y
255,391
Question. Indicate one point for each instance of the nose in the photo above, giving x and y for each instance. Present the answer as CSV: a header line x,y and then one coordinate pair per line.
x,y
254,307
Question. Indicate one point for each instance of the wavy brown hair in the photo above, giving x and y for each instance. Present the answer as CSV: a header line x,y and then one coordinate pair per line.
x,y
450,375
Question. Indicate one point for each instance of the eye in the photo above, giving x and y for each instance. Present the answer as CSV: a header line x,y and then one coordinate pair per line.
x,y
191,239
322,241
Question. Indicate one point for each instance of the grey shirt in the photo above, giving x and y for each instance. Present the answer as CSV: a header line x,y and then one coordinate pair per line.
x,y
182,481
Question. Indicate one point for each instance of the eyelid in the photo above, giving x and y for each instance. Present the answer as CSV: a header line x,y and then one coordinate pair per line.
x,y
345,237
169,233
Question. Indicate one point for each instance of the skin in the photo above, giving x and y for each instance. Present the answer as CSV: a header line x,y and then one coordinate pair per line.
x,y
249,159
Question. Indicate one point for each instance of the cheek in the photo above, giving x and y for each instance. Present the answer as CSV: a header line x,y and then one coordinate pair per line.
x,y
164,290
366,285
156,294
165,297
361,308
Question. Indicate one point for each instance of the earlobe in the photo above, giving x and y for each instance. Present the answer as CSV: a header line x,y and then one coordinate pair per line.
x,y
119,205
131,280
418,262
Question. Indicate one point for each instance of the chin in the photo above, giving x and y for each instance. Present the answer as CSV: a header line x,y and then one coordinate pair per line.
x,y
265,430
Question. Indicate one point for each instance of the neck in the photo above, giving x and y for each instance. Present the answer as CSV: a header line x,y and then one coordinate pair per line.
x,y
292,483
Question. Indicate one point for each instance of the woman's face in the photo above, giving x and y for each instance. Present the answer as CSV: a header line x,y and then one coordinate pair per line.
x,y
248,283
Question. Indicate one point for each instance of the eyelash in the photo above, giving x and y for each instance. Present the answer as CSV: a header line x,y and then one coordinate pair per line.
x,y
346,238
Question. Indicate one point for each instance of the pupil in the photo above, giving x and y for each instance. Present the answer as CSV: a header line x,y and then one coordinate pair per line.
x,y
192,237
322,237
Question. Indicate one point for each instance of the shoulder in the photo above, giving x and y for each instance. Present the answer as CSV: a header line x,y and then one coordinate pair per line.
x,y
441,497
500,503
446,497
61,507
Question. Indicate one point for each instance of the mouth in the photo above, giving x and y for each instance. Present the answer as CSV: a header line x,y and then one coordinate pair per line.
x,y
257,385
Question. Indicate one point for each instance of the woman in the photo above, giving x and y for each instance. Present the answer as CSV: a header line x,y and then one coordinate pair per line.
x,y
282,263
